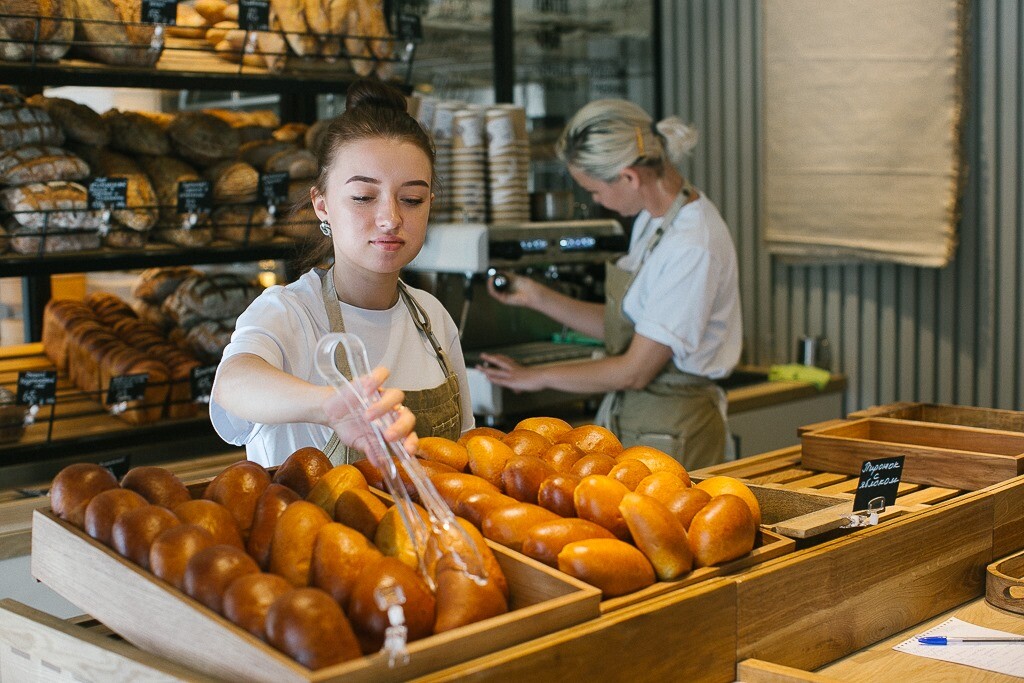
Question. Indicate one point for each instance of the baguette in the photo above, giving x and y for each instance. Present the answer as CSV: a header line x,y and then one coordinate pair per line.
x,y
291,15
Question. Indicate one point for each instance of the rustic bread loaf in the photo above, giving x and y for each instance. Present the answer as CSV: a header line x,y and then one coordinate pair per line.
x,y
40,163
120,237
257,152
156,284
142,212
211,10
8,95
58,209
202,138
134,133
243,224
300,223
110,31
297,163
59,315
166,173
79,122
233,182
26,125
198,236
211,297
43,32
293,132
208,339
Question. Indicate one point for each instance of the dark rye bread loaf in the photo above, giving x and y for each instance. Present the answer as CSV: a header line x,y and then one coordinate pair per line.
x,y
211,297
156,284
79,122
202,138
136,133
141,213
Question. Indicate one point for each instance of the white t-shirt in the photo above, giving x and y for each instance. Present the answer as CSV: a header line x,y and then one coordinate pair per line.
x,y
686,295
283,326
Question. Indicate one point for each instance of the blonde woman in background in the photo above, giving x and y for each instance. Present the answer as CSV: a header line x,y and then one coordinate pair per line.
x,y
671,320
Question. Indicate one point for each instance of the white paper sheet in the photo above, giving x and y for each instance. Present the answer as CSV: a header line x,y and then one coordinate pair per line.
x,y
1004,658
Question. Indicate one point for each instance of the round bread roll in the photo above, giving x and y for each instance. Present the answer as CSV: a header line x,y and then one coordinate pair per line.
x,y
656,461
661,485
291,549
480,431
716,486
440,449
135,530
526,442
302,469
523,475
686,503
562,456
392,537
172,549
157,485
508,525
248,599
491,565
556,494
658,534
461,600
597,498
370,621
339,555
73,488
544,541
722,530
450,486
614,566
487,458
213,517
630,472
550,427
333,483
473,506
269,507
211,570
593,463
238,488
592,439
308,626
104,509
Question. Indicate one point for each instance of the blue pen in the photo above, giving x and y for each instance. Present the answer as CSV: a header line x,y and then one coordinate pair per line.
x,y
949,640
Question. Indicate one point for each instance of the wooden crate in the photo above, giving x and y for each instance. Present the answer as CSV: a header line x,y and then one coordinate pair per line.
x,y
965,416
685,635
941,455
159,619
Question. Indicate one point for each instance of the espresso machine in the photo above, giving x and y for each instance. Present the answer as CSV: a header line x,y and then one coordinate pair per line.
x,y
455,263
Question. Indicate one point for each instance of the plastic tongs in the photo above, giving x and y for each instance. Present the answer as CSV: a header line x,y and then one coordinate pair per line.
x,y
443,534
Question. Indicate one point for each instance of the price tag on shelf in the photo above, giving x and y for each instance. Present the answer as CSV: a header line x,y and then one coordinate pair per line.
x,y
878,479
201,381
127,388
254,15
410,28
194,196
160,12
117,466
37,387
108,193
273,187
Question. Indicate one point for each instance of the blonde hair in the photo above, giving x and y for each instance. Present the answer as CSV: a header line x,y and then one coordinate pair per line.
x,y
607,136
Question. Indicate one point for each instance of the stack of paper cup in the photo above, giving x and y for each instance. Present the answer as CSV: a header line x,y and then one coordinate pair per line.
x,y
442,128
508,164
469,172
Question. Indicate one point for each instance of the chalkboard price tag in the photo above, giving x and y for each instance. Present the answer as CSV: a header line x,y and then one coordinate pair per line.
x,y
117,466
274,187
194,196
410,28
254,15
108,193
201,380
160,12
37,387
878,478
127,388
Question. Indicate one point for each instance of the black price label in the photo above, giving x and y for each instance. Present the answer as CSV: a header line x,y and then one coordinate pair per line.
x,y
410,28
254,15
201,380
274,187
127,388
108,193
194,196
37,387
117,466
878,478
160,12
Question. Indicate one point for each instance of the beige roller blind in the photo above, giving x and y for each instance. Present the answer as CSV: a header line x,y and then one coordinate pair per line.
x,y
862,111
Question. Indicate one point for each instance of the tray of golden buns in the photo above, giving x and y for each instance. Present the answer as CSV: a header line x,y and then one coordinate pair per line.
x,y
277,575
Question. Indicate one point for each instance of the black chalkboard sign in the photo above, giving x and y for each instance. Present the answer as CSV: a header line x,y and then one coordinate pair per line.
x,y
273,187
201,381
37,387
410,28
127,388
254,15
194,196
160,12
108,193
878,478
118,466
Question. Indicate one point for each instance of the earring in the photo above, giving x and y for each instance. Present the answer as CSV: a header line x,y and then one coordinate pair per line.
x,y
325,228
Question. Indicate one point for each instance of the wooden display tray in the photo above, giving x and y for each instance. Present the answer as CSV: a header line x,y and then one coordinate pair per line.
x,y
965,416
159,619
1004,584
770,546
940,455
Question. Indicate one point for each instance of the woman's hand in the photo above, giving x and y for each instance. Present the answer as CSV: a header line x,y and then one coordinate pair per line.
x,y
505,372
351,422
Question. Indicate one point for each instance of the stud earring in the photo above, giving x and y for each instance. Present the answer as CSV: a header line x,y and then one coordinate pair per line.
x,y
325,228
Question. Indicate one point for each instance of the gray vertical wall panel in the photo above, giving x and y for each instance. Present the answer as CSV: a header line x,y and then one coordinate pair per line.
x,y
950,335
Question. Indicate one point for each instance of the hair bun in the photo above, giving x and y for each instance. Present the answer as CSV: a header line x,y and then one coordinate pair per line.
x,y
679,137
372,92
